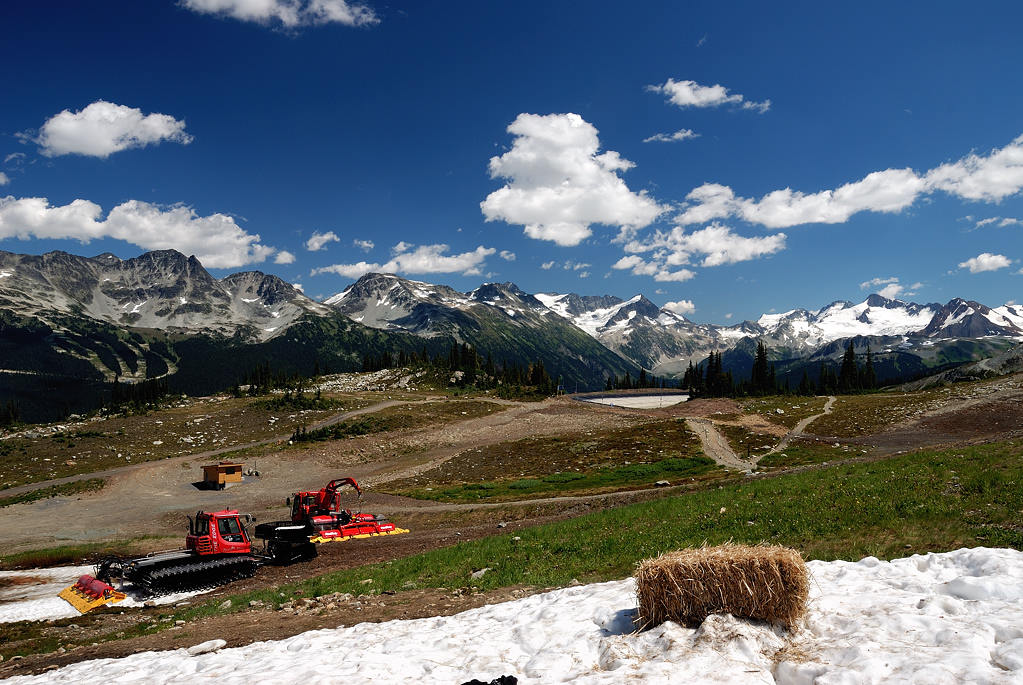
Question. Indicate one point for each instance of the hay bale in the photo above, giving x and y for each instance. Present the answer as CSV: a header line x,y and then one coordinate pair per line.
x,y
764,582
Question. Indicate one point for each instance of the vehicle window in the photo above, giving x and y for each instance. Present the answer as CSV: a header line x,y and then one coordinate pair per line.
x,y
202,526
229,527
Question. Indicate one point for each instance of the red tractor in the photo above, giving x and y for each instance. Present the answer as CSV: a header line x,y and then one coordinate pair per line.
x,y
318,517
217,551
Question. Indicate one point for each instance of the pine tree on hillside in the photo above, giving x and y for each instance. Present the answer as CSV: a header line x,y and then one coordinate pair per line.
x,y
805,386
759,377
868,379
848,380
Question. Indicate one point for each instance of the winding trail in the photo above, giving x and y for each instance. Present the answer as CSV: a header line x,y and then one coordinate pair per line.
x,y
715,445
797,431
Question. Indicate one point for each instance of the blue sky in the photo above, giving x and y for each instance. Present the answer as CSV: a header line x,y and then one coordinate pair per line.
x,y
728,158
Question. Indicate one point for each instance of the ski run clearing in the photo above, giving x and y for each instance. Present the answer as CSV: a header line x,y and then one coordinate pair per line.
x,y
953,617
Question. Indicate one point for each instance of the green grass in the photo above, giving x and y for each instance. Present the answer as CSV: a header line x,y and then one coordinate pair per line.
x,y
800,453
671,469
63,490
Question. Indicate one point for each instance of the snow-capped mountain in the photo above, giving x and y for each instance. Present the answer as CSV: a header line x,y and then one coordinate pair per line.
x,y
99,318
659,339
500,318
967,319
162,290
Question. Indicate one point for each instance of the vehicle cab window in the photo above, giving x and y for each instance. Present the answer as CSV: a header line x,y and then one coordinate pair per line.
x,y
230,530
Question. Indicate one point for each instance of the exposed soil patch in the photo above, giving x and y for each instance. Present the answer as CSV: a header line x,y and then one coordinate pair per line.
x,y
986,420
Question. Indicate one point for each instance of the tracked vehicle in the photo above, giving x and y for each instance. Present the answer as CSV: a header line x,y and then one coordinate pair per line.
x,y
318,517
217,551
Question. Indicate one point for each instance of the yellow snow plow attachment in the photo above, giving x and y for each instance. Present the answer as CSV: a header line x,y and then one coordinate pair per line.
x,y
89,593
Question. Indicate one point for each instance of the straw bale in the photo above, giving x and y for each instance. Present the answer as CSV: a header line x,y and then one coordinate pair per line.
x,y
764,582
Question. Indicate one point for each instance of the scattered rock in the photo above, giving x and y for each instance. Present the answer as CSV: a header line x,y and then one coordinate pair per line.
x,y
226,604
479,574
256,604
502,524
723,510
368,581
779,410
179,622
662,483
207,647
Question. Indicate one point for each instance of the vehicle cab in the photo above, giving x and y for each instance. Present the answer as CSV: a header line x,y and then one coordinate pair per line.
x,y
218,532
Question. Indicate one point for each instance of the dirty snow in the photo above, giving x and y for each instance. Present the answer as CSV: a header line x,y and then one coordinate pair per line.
x,y
936,618
638,401
39,601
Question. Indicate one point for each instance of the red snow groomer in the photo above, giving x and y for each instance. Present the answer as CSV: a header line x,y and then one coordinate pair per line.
x,y
318,517
217,551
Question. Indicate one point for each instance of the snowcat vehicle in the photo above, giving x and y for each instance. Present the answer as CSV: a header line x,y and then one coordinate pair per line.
x,y
217,551
317,517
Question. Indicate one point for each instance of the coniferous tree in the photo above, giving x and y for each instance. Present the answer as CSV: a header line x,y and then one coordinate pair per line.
x,y
805,386
759,378
869,377
848,380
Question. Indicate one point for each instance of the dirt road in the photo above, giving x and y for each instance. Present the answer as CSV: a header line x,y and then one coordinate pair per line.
x,y
797,431
715,445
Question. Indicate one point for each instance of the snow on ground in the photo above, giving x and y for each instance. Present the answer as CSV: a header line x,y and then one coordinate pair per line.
x,y
638,401
936,618
38,600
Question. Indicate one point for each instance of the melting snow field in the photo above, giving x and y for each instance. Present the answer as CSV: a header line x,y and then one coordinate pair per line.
x,y
639,401
937,618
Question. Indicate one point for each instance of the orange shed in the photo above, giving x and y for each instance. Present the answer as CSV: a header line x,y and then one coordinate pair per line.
x,y
218,475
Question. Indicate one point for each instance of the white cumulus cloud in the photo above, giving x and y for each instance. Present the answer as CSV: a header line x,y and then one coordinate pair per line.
x,y
559,183
104,128
684,134
640,267
410,259
216,240
891,190
692,94
506,255
318,240
4,179
989,178
364,245
288,13
682,307
890,287
985,262
716,244
547,266
284,257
